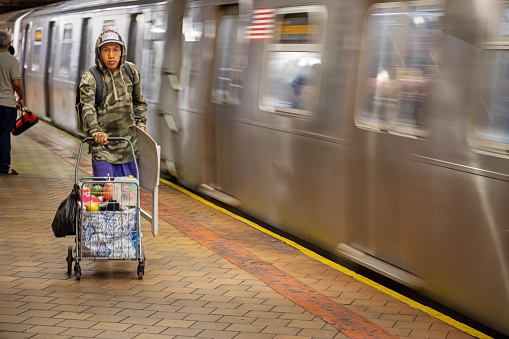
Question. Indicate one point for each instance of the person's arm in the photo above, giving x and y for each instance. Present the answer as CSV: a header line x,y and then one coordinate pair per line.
x,y
16,84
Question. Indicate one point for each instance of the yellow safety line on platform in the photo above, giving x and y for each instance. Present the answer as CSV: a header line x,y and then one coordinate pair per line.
x,y
395,295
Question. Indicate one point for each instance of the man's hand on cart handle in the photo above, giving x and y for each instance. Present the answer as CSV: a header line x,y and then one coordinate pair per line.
x,y
101,138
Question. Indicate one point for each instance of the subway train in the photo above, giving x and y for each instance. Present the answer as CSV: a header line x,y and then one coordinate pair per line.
x,y
376,131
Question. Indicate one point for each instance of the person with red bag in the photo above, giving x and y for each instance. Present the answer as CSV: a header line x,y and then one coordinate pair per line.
x,y
10,82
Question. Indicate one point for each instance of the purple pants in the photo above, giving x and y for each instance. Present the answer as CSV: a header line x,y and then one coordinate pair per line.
x,y
105,169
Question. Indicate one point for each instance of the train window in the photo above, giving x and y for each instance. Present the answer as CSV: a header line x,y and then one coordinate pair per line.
x,y
400,64
133,38
230,61
109,25
293,80
293,61
491,124
493,120
152,57
192,65
65,61
36,59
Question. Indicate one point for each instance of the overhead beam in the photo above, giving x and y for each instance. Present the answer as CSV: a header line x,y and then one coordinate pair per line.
x,y
7,6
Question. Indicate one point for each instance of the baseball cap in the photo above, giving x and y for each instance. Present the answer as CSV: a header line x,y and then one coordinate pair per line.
x,y
109,36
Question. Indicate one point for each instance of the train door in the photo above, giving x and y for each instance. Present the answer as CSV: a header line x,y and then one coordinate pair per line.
x,y
398,71
84,49
135,39
226,87
34,68
48,71
24,54
83,62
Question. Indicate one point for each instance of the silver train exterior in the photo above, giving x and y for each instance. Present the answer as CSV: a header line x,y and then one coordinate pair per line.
x,y
374,130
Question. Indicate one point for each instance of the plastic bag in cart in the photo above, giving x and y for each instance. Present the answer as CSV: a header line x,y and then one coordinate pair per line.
x,y
110,233
64,222
125,190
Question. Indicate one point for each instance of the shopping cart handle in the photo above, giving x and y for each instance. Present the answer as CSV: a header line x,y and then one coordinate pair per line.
x,y
109,138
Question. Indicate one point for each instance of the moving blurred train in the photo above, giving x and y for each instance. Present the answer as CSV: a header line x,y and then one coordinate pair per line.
x,y
377,131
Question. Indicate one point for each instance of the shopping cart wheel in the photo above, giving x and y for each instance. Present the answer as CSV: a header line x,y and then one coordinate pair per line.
x,y
69,260
77,271
141,269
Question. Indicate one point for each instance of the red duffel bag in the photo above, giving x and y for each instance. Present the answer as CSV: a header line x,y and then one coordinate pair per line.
x,y
25,121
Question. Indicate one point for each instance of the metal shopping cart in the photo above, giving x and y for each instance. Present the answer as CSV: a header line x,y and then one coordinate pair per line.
x,y
108,220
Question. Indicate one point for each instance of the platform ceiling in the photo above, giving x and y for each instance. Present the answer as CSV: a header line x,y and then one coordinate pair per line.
x,y
14,5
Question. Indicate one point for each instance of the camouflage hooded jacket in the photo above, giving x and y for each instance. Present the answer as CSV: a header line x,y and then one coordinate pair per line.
x,y
123,109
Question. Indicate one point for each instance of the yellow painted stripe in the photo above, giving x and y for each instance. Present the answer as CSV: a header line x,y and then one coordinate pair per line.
x,y
428,310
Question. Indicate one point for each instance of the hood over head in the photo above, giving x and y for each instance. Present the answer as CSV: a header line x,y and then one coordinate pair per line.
x,y
105,37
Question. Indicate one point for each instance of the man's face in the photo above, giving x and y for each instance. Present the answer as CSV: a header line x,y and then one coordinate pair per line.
x,y
110,53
